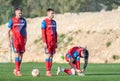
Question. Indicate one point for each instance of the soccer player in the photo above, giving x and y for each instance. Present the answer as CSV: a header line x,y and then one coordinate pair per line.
x,y
17,25
73,57
49,36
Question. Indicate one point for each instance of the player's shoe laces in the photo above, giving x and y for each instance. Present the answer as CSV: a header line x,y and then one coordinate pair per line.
x,y
58,70
48,73
17,73
81,74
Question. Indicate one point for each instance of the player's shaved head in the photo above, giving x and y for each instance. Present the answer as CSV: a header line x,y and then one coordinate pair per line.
x,y
18,9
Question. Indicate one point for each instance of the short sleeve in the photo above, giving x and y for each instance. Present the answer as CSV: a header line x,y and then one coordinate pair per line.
x,y
25,23
10,24
68,56
75,54
43,25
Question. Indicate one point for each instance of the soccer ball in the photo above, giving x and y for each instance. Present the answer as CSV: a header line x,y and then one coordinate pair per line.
x,y
35,72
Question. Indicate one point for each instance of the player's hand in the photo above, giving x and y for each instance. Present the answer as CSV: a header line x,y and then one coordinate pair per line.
x,y
45,45
81,74
9,44
82,71
78,71
25,41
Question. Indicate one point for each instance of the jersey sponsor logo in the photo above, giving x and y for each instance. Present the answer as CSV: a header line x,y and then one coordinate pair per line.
x,y
51,25
19,24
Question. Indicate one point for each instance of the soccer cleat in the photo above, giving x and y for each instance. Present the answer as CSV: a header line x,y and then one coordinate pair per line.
x,y
17,73
81,74
58,71
48,73
73,71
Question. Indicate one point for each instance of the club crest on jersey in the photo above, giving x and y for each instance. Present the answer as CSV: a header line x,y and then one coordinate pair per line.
x,y
21,21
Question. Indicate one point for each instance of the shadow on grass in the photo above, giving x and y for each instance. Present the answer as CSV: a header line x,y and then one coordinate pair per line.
x,y
96,74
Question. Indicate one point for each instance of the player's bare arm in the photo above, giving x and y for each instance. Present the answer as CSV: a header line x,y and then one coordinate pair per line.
x,y
9,42
26,35
86,55
85,65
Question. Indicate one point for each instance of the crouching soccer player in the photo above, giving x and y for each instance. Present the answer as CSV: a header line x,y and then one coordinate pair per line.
x,y
17,25
73,57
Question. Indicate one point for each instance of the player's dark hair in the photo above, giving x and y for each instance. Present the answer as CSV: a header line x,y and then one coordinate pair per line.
x,y
50,9
18,8
86,53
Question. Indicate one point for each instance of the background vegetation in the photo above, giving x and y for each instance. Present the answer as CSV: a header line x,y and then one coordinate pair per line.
x,y
35,8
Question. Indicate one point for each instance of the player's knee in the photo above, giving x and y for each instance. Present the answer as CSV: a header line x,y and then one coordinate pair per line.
x,y
48,55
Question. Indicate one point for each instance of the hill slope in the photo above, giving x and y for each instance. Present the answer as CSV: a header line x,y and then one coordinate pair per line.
x,y
99,32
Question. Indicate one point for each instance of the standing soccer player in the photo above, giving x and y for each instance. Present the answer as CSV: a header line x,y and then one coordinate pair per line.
x,y
17,25
49,36
73,58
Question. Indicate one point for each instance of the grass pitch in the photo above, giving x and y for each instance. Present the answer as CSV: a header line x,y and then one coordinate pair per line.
x,y
95,72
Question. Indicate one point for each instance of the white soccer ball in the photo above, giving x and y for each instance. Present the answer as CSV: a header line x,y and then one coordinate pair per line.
x,y
35,72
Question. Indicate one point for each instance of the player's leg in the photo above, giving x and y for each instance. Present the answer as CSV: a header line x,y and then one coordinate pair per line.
x,y
68,71
52,51
17,65
48,64
48,60
77,64
20,51
18,58
49,57
15,47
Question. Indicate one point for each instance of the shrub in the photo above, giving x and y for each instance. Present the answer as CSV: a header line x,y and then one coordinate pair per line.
x,y
61,37
115,57
108,44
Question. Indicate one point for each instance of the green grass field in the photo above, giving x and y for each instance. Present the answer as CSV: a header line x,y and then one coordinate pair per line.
x,y
95,72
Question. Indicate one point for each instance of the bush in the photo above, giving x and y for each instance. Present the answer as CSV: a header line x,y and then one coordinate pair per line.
x,y
70,39
108,44
37,40
61,37
115,57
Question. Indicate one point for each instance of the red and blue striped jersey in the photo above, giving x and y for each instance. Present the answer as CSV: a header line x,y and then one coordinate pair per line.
x,y
18,27
49,33
75,51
